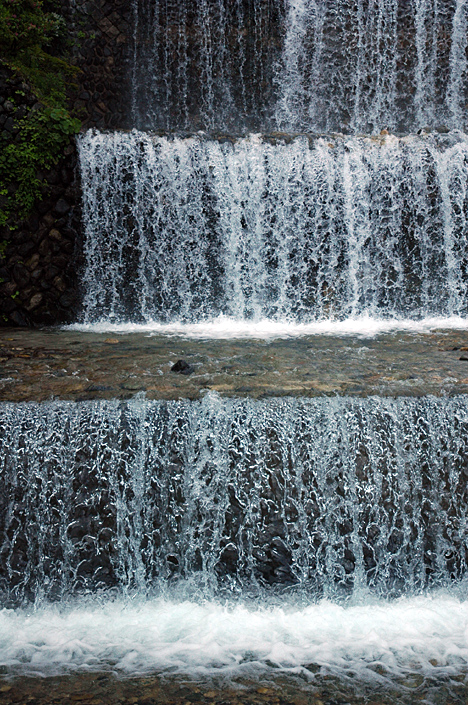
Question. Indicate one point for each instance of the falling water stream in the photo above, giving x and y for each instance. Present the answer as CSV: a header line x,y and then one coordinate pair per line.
x,y
220,510
316,228
294,163
328,65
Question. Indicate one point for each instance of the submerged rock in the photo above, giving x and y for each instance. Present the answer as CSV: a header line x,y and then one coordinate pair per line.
x,y
182,367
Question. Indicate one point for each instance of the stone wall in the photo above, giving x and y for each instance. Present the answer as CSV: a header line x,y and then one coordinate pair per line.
x,y
40,259
102,32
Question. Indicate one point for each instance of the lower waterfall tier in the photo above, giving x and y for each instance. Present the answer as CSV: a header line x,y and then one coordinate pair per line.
x,y
324,497
286,228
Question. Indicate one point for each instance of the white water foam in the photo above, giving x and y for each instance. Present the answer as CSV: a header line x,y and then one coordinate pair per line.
x,y
425,634
224,327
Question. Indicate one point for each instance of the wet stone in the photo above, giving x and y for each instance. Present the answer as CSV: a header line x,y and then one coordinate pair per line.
x,y
97,689
32,262
61,207
34,302
182,367
21,275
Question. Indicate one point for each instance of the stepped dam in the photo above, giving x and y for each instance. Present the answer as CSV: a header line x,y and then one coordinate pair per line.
x,y
240,474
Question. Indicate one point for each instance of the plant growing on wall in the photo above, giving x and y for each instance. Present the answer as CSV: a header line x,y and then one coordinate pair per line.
x,y
29,35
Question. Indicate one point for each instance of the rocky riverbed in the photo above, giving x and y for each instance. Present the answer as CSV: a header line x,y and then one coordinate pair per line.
x,y
107,689
65,364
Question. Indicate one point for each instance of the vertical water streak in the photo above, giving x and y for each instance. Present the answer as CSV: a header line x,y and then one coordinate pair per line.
x,y
294,57
426,66
456,93
380,64
452,175
134,107
206,27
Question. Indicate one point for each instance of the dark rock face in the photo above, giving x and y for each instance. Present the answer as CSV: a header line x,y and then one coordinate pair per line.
x,y
182,367
103,49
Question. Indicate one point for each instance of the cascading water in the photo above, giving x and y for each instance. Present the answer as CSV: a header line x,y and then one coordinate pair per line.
x,y
300,65
372,64
204,65
181,506
222,535
188,229
330,496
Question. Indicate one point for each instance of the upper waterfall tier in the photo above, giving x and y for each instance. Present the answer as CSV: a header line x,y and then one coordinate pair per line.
x,y
298,230
348,65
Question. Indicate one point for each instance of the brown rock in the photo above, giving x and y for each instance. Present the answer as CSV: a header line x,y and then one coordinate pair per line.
x,y
48,220
34,302
55,234
9,288
37,274
81,696
51,272
26,293
60,261
59,284
32,262
21,275
44,247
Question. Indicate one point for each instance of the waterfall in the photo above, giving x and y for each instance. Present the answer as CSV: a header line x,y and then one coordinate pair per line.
x,y
294,164
300,65
186,229
372,64
332,497
202,64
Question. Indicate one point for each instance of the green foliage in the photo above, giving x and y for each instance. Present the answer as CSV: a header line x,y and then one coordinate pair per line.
x,y
23,24
42,136
28,33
